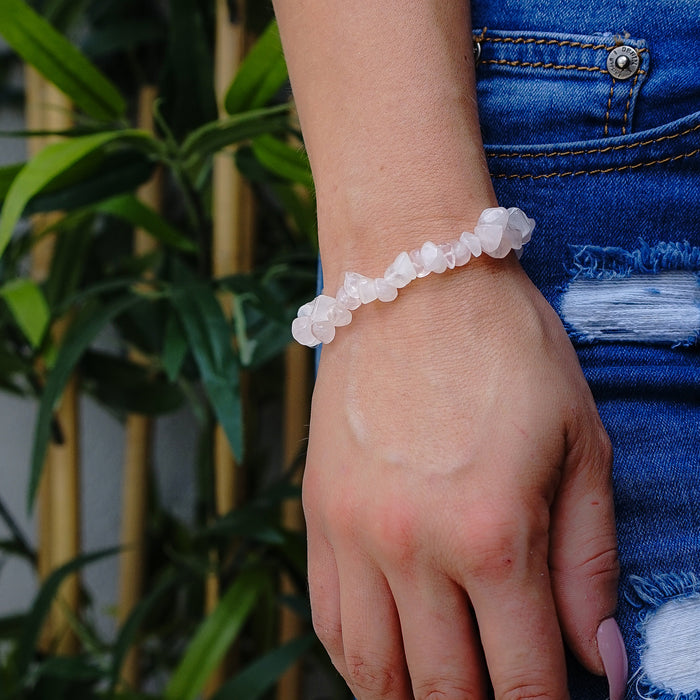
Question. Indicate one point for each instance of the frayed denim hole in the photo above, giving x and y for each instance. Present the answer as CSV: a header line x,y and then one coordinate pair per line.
x,y
669,630
648,295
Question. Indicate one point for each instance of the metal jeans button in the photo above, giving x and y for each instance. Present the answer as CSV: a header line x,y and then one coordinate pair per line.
x,y
623,62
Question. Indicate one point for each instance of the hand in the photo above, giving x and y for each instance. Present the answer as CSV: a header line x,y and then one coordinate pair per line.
x,y
458,495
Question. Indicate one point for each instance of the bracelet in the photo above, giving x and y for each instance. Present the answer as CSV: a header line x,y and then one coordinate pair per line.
x,y
497,232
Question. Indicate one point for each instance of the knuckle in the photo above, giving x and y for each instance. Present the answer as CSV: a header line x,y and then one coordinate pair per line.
x,y
603,564
372,677
393,535
445,689
502,550
529,691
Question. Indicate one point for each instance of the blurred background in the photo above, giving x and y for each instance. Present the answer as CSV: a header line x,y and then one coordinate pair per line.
x,y
157,234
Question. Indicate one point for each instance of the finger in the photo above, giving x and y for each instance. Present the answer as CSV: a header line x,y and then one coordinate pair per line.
x,y
441,643
372,645
324,592
508,582
583,552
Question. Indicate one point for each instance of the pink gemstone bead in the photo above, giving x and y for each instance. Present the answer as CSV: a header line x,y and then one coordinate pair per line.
x,y
461,252
385,290
432,257
343,299
301,332
324,331
418,264
367,290
449,254
339,316
401,271
472,242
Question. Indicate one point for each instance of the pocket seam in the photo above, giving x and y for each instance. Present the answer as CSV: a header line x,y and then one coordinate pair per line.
x,y
542,42
596,171
601,149
541,64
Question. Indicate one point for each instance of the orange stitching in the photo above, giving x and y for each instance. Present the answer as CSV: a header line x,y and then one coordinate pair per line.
x,y
627,107
607,114
546,42
574,173
602,149
540,64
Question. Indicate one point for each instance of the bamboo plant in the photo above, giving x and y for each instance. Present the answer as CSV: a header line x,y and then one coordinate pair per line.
x,y
186,334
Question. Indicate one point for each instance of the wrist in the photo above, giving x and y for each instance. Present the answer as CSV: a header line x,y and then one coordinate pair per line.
x,y
368,237
497,233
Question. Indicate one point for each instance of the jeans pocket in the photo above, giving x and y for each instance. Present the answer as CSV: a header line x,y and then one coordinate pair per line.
x,y
544,87
616,249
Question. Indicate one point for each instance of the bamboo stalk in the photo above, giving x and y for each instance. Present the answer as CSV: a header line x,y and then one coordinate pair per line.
x,y
232,219
231,253
138,445
59,493
64,488
297,407
232,243
41,260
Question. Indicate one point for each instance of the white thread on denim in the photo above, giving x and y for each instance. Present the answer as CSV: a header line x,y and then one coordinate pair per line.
x,y
670,659
651,308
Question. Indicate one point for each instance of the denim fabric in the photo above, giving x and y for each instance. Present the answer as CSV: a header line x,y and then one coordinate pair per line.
x,y
610,170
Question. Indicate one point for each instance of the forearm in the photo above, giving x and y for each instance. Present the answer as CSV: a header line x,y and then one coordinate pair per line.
x,y
386,97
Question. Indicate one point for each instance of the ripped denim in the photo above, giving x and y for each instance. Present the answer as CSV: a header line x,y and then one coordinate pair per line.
x,y
607,161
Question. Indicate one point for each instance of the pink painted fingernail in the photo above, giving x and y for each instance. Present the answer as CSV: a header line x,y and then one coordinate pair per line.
x,y
612,651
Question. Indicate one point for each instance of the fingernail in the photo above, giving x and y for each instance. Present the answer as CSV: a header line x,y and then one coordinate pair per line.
x,y
612,652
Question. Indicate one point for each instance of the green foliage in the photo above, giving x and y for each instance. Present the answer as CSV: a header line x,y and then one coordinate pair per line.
x,y
173,344
28,305
33,38
261,75
54,161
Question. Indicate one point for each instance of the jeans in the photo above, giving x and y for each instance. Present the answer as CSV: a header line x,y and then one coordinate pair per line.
x,y
590,115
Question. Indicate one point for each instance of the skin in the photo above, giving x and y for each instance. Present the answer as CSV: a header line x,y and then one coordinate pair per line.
x,y
457,488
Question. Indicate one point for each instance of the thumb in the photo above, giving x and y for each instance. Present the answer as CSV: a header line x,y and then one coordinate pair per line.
x,y
583,555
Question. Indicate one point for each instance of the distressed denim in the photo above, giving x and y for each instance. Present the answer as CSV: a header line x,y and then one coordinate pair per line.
x,y
610,169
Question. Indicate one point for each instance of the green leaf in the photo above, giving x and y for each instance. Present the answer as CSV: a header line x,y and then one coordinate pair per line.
x,y
283,160
133,210
78,338
7,174
42,604
40,45
63,14
122,35
129,629
209,336
92,180
187,86
76,670
218,134
50,163
215,636
262,674
260,76
175,347
20,541
68,257
127,386
28,305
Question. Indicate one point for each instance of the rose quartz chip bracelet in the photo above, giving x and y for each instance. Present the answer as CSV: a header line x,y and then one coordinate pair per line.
x,y
497,232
